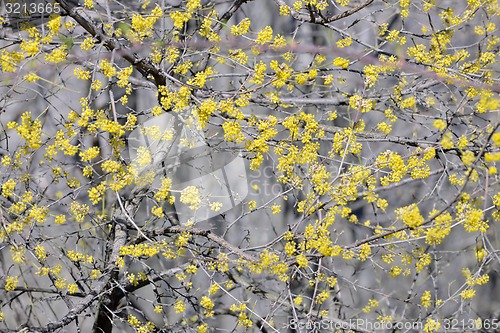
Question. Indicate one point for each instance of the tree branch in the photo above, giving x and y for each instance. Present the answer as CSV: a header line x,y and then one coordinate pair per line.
x,y
145,66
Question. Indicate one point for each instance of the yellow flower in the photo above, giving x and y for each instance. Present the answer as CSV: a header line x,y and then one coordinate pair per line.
x,y
133,321
232,131
344,42
60,219
215,206
440,124
384,127
57,55
191,196
284,10
107,68
202,328
96,194
241,28
265,35
179,306
31,77
72,288
10,283
40,252
426,299
157,211
213,289
408,103
302,261
90,153
364,252
322,297
431,325
208,305
79,211
8,188
87,44
276,208
252,205
30,47
410,215
30,130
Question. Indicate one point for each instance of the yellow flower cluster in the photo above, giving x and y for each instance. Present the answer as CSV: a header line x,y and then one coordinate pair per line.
x,y
359,103
241,28
8,187
205,111
157,211
468,293
425,299
96,194
80,257
239,56
30,47
139,327
191,196
9,60
345,142
18,254
243,319
431,325
163,192
410,215
141,250
38,213
30,130
107,68
81,74
441,228
341,43
10,283
232,131
341,62
179,306
283,72
79,210
364,252
90,153
40,252
31,77
87,44
208,305
371,305
57,55
265,35
473,220
123,76
259,72
143,26
207,31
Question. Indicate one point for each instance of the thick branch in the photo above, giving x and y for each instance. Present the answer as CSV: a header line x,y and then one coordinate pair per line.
x,y
143,65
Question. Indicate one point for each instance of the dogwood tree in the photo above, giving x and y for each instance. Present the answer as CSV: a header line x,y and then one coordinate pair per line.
x,y
265,166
